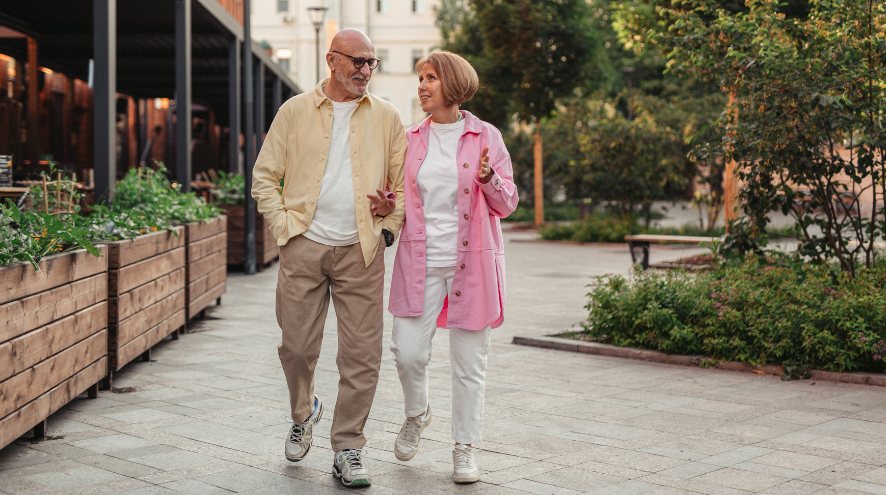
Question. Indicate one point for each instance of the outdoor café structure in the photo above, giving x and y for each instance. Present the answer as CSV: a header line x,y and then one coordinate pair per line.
x,y
100,86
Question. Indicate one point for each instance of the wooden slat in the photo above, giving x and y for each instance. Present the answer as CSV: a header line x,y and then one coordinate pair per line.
x,y
23,315
26,386
197,304
147,340
145,319
137,274
124,253
206,282
269,254
129,303
20,421
20,354
205,247
196,231
20,280
203,266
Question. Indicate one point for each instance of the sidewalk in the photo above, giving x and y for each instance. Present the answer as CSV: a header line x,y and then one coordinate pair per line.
x,y
208,415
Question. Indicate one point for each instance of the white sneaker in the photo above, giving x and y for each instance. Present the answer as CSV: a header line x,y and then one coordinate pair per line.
x,y
347,465
299,440
465,468
406,445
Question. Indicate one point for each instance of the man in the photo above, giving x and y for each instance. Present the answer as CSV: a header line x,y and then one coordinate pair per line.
x,y
334,148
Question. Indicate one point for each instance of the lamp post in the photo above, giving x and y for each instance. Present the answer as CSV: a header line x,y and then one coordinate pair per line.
x,y
317,14
629,74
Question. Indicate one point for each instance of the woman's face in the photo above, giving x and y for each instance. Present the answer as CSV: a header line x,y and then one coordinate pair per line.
x,y
430,90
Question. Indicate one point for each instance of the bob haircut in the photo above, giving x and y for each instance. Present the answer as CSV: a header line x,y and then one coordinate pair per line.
x,y
458,78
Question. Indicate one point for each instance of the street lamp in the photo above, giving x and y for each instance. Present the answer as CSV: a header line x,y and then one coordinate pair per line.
x,y
629,74
317,14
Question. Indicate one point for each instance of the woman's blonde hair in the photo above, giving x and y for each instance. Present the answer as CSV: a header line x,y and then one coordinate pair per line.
x,y
458,78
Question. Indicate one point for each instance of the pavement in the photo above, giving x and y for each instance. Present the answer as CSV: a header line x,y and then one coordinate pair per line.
x,y
208,414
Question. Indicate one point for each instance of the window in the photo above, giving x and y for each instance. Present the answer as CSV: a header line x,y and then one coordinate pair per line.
x,y
382,55
381,6
417,54
283,6
418,6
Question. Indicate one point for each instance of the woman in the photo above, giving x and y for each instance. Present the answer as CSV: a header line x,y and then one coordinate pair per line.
x,y
449,270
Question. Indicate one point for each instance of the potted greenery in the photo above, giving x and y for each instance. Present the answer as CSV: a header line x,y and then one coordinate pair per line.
x,y
229,195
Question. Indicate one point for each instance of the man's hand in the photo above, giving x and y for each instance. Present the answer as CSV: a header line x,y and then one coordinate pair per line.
x,y
485,172
381,205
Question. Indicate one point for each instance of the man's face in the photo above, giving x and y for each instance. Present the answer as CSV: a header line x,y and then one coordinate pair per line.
x,y
355,81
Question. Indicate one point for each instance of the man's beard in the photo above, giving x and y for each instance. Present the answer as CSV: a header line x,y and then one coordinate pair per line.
x,y
349,85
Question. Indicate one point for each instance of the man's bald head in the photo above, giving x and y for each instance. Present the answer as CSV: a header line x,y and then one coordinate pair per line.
x,y
351,39
348,82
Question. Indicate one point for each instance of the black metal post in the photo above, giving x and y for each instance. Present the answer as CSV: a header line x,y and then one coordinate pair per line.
x,y
183,94
104,39
259,106
249,158
234,106
278,94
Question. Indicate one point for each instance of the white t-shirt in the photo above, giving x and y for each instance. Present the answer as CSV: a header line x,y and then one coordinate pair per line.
x,y
438,186
335,220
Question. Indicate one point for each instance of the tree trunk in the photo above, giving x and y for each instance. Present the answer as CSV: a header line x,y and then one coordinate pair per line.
x,y
539,179
730,181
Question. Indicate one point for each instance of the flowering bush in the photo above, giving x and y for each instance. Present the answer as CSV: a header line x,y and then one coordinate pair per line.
x,y
753,312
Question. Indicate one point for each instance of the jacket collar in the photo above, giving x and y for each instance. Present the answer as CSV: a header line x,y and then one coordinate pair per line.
x,y
320,96
472,124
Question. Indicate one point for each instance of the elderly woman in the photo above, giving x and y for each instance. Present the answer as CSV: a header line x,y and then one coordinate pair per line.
x,y
450,265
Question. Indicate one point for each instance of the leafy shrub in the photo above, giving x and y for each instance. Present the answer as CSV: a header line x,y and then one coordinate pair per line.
x,y
229,189
609,227
553,213
792,314
29,236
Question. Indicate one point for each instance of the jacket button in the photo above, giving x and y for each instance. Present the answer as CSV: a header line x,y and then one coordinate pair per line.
x,y
466,216
466,191
465,165
458,293
462,266
465,243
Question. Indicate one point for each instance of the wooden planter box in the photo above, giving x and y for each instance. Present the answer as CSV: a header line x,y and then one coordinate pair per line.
x,y
266,249
53,337
206,270
146,295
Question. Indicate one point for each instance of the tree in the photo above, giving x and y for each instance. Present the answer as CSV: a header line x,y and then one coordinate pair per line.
x,y
811,97
528,53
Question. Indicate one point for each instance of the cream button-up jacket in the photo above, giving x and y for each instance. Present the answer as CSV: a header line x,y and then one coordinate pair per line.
x,y
296,149
476,299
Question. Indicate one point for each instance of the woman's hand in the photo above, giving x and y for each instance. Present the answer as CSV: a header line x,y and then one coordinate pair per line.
x,y
381,205
485,172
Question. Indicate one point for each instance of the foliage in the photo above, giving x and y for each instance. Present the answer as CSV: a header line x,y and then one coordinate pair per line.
x,y
554,212
56,197
228,189
789,313
149,193
613,227
30,236
806,128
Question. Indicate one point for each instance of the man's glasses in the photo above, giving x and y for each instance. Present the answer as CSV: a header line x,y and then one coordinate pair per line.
x,y
360,61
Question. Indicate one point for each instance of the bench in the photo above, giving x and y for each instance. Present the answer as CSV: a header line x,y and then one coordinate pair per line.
x,y
639,244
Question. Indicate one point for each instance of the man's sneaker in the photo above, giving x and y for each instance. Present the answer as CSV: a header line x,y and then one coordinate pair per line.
x,y
298,442
406,445
348,467
466,470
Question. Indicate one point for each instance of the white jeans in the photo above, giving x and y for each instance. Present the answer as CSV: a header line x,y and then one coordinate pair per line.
x,y
468,350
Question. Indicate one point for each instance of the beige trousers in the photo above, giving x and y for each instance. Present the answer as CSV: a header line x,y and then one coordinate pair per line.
x,y
309,273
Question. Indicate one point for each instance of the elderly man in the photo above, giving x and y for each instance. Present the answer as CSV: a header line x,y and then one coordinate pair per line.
x,y
334,149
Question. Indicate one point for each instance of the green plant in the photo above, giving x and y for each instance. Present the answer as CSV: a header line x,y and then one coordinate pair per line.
x,y
30,236
57,194
757,311
228,189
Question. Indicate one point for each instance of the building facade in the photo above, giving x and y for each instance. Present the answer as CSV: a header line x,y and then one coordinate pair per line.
x,y
402,31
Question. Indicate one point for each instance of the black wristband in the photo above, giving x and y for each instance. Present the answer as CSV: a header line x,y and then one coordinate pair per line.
x,y
389,237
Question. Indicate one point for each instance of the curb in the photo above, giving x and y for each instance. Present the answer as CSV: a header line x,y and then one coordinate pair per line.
x,y
570,345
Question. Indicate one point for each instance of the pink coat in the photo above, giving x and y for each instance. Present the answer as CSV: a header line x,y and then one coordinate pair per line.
x,y
478,286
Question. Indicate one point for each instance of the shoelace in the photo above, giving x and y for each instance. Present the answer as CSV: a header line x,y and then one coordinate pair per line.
x,y
352,458
296,433
464,458
410,429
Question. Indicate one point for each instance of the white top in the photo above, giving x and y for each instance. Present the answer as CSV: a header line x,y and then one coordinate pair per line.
x,y
335,220
438,186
